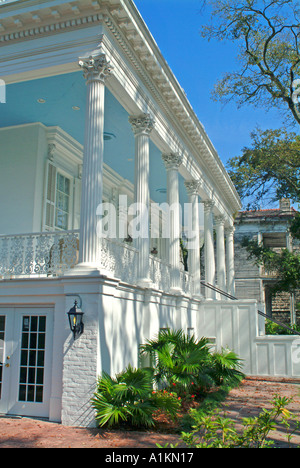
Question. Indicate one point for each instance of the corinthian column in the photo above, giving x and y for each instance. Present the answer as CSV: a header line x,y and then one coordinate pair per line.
x,y
172,163
96,70
142,126
210,266
221,264
192,188
230,260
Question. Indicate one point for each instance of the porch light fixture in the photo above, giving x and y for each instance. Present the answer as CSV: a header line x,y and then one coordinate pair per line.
x,y
75,320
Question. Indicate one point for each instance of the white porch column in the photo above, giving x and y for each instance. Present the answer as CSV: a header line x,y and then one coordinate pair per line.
x,y
142,126
221,262
230,260
172,163
210,266
96,69
194,242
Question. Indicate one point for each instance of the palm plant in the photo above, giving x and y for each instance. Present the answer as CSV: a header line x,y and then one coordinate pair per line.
x,y
226,367
128,398
188,364
179,360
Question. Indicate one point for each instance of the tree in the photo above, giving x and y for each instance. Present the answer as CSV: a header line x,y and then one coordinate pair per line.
x,y
268,170
268,35
267,32
285,263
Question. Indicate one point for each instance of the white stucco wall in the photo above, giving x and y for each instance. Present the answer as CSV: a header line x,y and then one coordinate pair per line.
x,y
22,154
119,318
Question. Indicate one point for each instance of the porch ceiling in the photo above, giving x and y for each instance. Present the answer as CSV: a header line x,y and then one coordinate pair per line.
x,y
61,101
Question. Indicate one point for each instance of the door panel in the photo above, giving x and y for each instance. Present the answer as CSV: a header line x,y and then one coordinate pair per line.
x,y
2,337
26,377
6,326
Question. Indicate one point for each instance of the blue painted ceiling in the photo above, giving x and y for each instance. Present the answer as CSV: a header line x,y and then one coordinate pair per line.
x,y
59,95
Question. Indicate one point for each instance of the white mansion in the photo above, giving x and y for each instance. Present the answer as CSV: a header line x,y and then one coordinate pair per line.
x,y
94,126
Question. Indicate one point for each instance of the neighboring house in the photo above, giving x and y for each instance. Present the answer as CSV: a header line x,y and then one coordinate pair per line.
x,y
94,129
271,228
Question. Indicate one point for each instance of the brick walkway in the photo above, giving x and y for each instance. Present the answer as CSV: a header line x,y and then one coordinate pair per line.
x,y
248,400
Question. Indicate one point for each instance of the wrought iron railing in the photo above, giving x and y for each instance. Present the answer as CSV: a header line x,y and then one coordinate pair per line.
x,y
38,254
50,254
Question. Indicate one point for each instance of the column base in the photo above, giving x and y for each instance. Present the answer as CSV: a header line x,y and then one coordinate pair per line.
x,y
197,297
87,269
145,283
176,291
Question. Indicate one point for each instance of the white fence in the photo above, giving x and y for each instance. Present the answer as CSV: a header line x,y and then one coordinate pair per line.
x,y
238,326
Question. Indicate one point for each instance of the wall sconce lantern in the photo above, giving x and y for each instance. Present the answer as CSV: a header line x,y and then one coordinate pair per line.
x,y
75,320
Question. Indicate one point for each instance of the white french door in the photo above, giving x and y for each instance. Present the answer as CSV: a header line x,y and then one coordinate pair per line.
x,y
25,361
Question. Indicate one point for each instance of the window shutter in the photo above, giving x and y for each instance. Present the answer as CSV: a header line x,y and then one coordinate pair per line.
x,y
50,196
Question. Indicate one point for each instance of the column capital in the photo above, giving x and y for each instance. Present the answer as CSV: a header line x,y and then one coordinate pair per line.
x,y
172,160
220,220
229,230
208,204
192,187
96,68
140,124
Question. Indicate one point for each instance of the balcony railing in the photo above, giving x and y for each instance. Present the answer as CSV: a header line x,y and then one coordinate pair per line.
x,y
51,254
268,273
38,254
118,258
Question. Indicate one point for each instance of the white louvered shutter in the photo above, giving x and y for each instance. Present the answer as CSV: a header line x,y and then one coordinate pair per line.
x,y
50,197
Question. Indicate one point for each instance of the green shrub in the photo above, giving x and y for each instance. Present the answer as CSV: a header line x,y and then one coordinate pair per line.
x,y
216,430
183,369
186,365
129,398
273,328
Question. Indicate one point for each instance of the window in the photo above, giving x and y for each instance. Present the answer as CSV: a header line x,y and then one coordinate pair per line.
x,y
62,204
274,240
31,381
58,200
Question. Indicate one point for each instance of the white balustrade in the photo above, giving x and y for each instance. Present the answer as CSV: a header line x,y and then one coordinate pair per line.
x,y
186,283
38,254
160,274
51,254
118,258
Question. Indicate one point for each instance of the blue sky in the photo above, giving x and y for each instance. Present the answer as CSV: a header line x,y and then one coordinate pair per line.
x,y
198,64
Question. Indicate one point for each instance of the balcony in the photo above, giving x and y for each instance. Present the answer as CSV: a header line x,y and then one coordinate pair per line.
x,y
52,254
